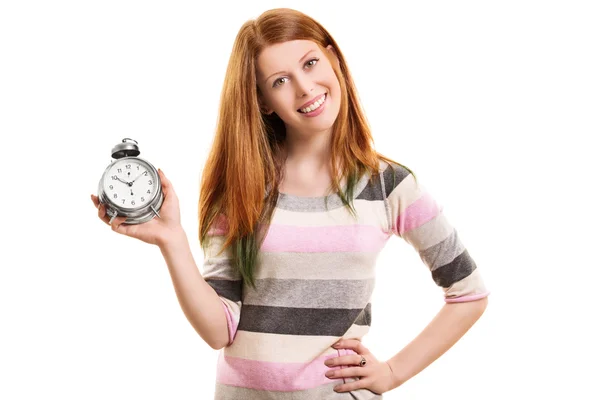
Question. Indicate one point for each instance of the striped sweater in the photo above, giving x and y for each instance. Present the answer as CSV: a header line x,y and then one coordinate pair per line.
x,y
314,280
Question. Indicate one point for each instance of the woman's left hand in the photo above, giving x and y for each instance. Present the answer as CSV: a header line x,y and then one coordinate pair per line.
x,y
376,376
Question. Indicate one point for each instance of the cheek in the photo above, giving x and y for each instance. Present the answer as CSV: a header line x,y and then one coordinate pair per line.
x,y
332,83
283,101
336,90
335,83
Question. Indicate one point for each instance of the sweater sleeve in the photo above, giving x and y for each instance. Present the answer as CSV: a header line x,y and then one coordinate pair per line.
x,y
419,220
220,274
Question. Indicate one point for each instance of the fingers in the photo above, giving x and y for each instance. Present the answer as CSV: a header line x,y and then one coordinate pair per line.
x,y
101,209
351,371
102,214
353,344
352,359
166,183
162,177
167,186
116,222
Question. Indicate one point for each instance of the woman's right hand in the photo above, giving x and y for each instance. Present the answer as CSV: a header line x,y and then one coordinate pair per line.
x,y
157,231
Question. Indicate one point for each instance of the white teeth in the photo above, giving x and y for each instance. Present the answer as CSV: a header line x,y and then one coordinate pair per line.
x,y
313,106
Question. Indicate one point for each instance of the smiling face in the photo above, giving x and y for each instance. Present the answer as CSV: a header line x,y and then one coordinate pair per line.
x,y
297,82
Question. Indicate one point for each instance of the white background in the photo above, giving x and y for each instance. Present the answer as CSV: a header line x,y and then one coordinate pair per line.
x,y
494,105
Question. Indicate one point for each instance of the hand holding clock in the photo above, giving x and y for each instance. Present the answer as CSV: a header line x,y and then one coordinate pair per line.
x,y
157,231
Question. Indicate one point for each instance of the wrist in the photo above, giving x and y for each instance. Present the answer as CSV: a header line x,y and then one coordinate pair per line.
x,y
398,376
171,237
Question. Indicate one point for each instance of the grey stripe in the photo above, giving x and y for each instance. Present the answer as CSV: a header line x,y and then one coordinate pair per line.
x,y
388,176
310,293
386,203
461,267
231,290
315,204
364,318
372,191
442,253
323,392
302,321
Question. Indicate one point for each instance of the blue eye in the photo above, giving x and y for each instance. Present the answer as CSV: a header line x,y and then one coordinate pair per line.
x,y
277,81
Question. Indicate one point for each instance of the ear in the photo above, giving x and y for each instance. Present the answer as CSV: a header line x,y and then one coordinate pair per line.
x,y
263,105
332,51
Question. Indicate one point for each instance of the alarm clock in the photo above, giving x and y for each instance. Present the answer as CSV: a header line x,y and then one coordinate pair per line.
x,y
130,186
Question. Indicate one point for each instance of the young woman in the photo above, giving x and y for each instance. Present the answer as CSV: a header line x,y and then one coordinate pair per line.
x,y
295,206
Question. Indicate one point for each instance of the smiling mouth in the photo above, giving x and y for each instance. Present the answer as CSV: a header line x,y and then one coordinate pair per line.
x,y
315,106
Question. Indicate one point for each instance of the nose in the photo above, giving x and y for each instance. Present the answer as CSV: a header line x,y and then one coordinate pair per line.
x,y
304,86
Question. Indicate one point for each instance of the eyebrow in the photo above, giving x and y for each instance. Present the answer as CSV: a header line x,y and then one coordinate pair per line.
x,y
281,72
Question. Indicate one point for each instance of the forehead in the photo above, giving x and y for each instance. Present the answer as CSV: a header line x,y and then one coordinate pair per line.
x,y
281,56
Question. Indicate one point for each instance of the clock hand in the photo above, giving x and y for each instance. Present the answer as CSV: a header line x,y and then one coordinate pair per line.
x,y
127,183
136,178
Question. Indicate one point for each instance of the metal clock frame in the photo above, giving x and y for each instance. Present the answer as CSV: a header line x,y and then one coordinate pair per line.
x,y
137,215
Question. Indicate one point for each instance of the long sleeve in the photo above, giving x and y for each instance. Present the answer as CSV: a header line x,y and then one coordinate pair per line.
x,y
417,218
220,274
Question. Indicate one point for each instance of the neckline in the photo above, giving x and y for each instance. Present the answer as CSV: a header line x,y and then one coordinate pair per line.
x,y
292,202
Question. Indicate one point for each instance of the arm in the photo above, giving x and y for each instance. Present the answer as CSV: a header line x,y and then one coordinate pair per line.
x,y
198,300
418,219
446,328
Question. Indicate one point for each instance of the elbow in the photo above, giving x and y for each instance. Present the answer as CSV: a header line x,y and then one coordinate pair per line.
x,y
483,303
471,306
219,343
215,343
479,306
216,346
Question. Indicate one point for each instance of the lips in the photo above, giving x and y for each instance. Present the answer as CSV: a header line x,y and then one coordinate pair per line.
x,y
308,103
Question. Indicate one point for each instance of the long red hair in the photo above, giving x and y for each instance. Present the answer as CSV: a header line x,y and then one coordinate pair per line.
x,y
240,180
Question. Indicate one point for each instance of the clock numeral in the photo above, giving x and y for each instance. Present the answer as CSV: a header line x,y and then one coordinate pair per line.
x,y
133,202
123,201
111,187
119,170
114,177
150,182
148,191
138,167
143,199
146,173
115,196
128,166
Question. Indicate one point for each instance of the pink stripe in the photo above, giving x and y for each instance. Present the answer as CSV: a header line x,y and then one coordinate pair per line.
x,y
231,324
220,226
471,297
419,212
278,376
334,238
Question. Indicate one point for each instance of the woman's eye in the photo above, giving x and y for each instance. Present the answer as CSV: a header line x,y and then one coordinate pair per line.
x,y
314,59
277,82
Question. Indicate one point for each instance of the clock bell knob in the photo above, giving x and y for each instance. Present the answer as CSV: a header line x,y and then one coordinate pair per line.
x,y
128,147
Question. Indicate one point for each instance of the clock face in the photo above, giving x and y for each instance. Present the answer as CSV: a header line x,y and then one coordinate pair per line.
x,y
130,183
